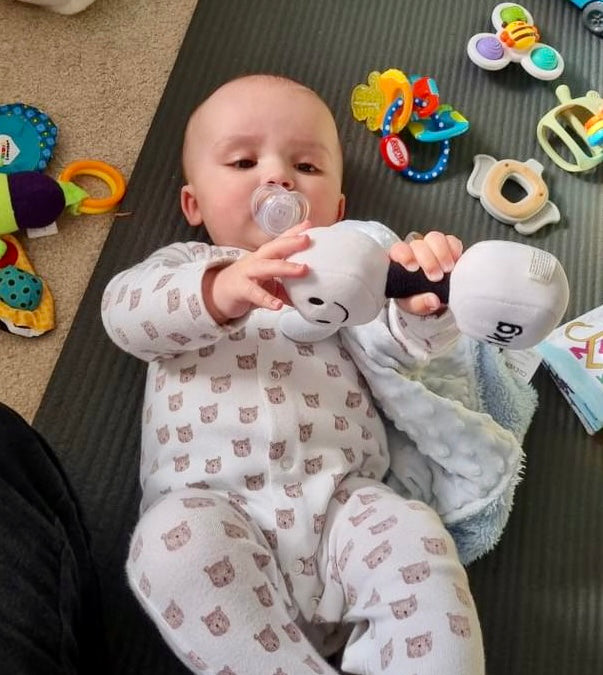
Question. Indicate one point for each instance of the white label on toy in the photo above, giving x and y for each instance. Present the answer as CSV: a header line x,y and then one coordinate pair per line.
x,y
522,362
35,232
9,150
542,266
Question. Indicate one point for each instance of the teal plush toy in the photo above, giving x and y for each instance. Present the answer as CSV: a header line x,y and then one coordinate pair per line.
x,y
27,138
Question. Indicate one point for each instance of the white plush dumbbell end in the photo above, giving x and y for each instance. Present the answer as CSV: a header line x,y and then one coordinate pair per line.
x,y
509,294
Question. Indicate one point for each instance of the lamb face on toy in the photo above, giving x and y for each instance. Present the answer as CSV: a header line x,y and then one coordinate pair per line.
x,y
505,293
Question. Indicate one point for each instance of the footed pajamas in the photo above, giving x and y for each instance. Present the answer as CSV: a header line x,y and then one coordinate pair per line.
x,y
262,511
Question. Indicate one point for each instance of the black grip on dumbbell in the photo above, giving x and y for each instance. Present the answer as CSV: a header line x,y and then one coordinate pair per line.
x,y
402,284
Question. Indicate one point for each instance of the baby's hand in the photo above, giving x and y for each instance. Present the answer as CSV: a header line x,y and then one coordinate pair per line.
x,y
253,280
435,254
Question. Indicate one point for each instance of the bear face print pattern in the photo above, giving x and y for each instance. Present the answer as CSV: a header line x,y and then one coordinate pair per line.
x,y
249,411
392,566
225,412
237,611
418,622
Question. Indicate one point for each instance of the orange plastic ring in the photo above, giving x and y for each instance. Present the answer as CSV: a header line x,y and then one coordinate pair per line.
x,y
107,173
593,120
403,115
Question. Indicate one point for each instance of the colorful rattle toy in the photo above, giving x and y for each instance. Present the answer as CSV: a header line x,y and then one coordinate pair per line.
x,y
527,215
392,101
594,129
516,39
34,200
575,114
509,294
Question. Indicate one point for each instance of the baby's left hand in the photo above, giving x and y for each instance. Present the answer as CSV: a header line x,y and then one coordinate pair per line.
x,y
435,253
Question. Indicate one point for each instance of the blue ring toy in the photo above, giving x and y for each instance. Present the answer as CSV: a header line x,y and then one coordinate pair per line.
x,y
414,174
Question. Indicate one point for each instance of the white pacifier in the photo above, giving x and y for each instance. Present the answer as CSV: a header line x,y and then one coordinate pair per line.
x,y
276,209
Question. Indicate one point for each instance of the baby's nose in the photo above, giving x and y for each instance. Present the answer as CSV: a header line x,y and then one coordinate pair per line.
x,y
279,175
285,182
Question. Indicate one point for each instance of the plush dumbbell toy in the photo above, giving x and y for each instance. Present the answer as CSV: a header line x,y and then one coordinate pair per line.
x,y
506,293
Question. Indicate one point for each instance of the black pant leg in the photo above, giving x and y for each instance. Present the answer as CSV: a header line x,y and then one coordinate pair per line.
x,y
50,614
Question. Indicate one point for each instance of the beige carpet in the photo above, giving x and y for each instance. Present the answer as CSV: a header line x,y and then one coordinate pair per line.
x,y
99,75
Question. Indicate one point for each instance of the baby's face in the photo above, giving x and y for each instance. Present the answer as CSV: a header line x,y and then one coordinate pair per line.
x,y
251,132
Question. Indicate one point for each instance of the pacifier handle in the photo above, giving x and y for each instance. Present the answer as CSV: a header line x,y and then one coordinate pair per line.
x,y
111,176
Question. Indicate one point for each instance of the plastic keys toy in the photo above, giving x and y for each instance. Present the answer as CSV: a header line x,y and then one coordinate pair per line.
x,y
516,39
392,101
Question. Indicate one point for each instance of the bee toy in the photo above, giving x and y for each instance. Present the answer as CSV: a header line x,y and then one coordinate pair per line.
x,y
516,39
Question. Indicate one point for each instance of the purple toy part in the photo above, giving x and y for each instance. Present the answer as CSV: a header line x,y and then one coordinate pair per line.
x,y
36,199
490,48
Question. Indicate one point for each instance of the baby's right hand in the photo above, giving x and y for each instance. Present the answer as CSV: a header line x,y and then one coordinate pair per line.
x,y
253,280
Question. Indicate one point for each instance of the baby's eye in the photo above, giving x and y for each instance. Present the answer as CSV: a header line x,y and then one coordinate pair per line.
x,y
244,163
306,167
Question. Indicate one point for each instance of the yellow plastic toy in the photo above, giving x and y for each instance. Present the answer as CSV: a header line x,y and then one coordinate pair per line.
x,y
371,101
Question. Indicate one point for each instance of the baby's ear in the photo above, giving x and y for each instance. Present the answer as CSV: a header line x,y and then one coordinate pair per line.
x,y
190,206
341,208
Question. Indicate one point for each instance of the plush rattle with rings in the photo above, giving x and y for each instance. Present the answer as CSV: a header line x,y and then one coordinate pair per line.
x,y
390,102
30,200
509,294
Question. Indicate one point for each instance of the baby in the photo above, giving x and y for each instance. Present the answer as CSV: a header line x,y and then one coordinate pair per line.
x,y
267,540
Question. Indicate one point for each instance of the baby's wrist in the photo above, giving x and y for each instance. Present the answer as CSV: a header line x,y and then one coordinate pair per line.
x,y
208,293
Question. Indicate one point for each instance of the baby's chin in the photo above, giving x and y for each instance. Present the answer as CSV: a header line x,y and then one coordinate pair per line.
x,y
252,239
